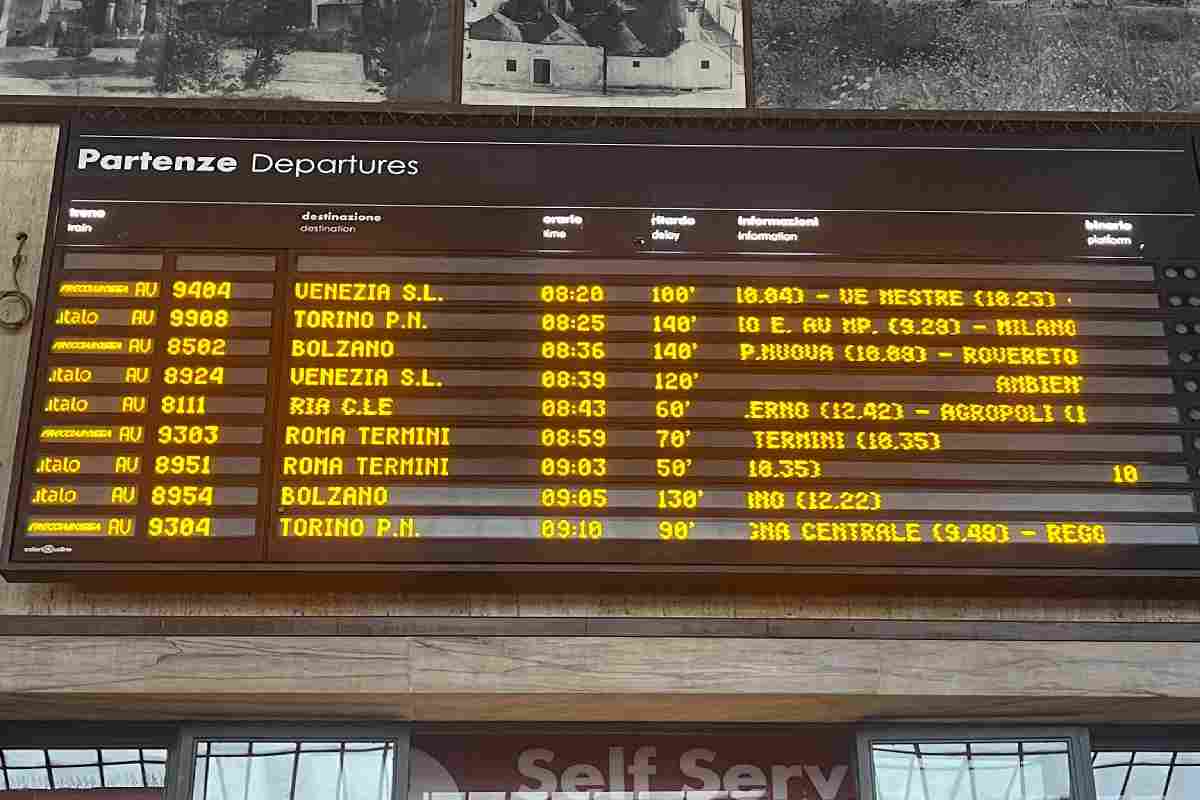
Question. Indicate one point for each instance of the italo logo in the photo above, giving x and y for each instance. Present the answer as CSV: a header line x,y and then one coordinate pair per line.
x,y
92,159
47,549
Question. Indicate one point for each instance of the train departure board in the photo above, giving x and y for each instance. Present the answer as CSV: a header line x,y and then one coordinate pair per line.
x,y
431,350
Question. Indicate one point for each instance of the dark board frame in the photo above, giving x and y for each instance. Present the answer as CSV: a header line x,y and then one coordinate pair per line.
x,y
131,112
1153,569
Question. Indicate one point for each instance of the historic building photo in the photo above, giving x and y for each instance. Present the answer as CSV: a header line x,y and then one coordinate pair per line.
x,y
605,52
333,50
977,55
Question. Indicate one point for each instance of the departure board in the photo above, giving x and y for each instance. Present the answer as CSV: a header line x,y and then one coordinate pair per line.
x,y
441,372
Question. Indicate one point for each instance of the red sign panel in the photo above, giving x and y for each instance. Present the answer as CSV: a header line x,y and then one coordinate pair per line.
x,y
623,767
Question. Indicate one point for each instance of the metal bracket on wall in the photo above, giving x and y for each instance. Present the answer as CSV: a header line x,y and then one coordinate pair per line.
x,y
16,307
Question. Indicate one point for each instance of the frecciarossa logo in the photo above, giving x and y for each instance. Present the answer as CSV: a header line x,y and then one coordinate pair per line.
x,y
91,159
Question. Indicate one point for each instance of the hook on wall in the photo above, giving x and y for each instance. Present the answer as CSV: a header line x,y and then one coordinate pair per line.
x,y
16,307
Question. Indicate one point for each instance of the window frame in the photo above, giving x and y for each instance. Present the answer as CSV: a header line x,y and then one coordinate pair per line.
x,y
116,735
89,735
1168,737
179,739
1079,750
179,785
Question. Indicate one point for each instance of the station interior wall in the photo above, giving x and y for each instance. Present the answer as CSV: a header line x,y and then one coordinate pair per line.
x,y
455,659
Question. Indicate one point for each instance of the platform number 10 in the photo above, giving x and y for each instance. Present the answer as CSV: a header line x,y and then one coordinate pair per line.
x,y
1125,473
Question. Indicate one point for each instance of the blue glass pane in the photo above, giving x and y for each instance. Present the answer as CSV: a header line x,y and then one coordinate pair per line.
x,y
271,774
1185,782
156,775
59,758
270,770
76,777
980,771
319,777
368,775
28,779
24,758
121,776
1109,780
1146,783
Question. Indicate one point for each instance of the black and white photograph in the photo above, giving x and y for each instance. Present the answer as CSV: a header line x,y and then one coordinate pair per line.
x,y
660,53
360,51
1135,56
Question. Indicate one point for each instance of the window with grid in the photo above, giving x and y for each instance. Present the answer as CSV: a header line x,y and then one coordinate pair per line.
x,y
63,769
1146,775
971,770
271,770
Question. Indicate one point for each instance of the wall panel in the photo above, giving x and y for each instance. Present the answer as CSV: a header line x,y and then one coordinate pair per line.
x,y
594,678
26,172
27,155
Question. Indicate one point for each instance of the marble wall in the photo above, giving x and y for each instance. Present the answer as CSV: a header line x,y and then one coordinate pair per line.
x,y
439,678
26,176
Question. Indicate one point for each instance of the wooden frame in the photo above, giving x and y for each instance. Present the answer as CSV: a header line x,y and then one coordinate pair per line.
x,y
584,627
